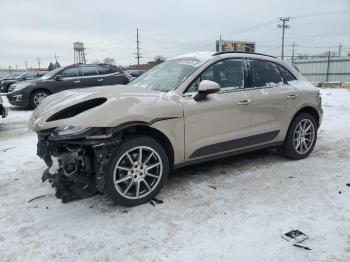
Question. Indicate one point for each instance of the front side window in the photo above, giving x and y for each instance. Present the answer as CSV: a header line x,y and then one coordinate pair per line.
x,y
170,74
51,74
70,72
264,74
88,70
229,74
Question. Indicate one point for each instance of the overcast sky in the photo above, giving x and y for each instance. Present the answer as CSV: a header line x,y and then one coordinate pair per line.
x,y
42,28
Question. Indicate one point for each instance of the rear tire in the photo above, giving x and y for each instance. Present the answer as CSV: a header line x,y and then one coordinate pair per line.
x,y
133,178
37,97
301,137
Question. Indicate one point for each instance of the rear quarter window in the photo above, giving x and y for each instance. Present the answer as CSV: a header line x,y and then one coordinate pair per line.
x,y
287,76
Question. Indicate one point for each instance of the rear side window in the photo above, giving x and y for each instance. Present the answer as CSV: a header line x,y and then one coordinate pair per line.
x,y
106,69
88,70
70,72
264,73
287,76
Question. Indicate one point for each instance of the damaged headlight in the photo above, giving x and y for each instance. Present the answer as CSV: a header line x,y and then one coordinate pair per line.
x,y
77,132
71,130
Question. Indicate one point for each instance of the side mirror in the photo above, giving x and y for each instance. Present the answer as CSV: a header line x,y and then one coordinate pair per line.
x,y
58,78
205,88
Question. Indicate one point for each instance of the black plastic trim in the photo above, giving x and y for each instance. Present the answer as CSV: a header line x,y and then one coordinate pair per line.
x,y
234,144
227,154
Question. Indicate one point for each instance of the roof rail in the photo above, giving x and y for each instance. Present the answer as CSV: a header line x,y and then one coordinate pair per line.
x,y
240,52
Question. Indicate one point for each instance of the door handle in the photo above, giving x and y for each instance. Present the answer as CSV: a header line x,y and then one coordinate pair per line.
x,y
244,102
100,80
76,81
293,96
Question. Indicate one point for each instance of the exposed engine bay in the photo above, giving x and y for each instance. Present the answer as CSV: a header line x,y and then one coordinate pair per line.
x,y
76,163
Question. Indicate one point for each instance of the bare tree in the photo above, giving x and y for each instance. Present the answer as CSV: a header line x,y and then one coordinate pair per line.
x,y
159,59
109,61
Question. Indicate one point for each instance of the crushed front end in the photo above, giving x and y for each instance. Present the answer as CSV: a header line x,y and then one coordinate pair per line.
x,y
77,159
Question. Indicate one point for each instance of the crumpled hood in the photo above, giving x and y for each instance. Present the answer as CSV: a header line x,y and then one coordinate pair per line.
x,y
123,104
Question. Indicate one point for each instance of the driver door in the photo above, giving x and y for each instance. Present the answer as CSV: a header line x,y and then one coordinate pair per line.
x,y
220,122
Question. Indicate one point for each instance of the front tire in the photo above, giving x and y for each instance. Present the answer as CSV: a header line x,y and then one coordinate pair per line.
x,y
37,97
301,137
137,171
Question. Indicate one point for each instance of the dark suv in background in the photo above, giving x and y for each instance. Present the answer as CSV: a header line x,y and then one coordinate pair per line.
x,y
8,81
31,93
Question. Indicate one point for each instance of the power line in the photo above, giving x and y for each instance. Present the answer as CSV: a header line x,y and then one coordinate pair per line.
x,y
323,14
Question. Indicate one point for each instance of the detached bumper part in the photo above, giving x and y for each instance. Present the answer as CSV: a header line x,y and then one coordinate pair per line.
x,y
81,165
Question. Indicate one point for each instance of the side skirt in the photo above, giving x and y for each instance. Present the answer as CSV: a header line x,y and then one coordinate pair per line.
x,y
227,154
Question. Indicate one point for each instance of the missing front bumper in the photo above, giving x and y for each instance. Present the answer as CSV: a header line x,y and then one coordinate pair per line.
x,y
81,165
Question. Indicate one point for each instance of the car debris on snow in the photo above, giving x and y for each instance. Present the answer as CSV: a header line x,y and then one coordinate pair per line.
x,y
35,198
296,237
7,149
156,201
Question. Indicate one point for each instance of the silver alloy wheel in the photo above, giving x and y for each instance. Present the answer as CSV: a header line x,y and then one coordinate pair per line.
x,y
304,136
38,98
137,172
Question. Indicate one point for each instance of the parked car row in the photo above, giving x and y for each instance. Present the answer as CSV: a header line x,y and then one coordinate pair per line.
x,y
31,93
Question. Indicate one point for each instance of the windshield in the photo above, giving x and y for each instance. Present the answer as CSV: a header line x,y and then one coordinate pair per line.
x,y
50,74
168,75
21,75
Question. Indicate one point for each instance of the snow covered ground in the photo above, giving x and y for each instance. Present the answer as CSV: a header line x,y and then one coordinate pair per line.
x,y
235,209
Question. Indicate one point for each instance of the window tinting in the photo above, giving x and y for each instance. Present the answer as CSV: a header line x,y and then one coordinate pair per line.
x,y
264,73
70,72
105,69
287,76
229,74
88,70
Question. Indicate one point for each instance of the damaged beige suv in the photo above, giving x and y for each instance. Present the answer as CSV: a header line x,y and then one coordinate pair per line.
x,y
125,140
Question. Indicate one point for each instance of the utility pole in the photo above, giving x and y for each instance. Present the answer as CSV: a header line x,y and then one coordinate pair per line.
x,y
328,61
293,51
284,26
339,52
9,69
56,57
38,61
26,63
138,54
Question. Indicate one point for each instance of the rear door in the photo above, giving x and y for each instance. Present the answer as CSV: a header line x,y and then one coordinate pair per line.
x,y
70,79
89,76
221,122
269,100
